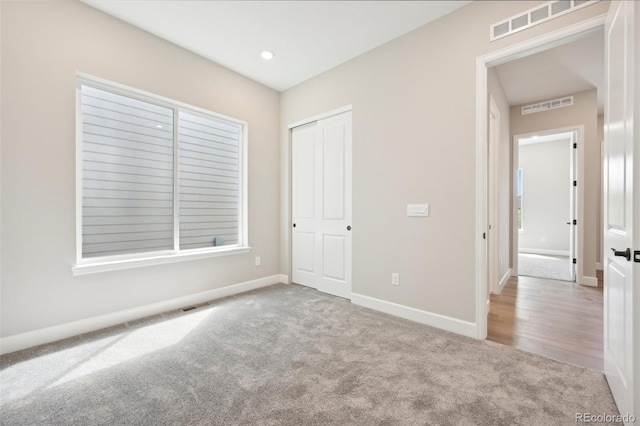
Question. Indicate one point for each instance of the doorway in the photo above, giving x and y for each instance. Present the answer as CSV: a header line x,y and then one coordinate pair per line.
x,y
620,339
546,199
521,51
552,316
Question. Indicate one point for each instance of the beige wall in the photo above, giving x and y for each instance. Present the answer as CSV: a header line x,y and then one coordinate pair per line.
x,y
43,46
504,162
584,112
413,141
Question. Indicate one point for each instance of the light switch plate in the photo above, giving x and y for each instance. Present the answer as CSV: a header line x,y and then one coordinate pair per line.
x,y
420,210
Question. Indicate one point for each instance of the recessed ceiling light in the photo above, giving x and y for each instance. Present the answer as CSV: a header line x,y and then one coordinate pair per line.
x,y
267,55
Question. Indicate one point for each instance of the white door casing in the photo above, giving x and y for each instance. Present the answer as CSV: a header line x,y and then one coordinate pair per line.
x,y
321,204
573,205
619,193
576,200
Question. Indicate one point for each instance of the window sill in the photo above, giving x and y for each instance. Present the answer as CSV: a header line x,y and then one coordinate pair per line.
x,y
115,265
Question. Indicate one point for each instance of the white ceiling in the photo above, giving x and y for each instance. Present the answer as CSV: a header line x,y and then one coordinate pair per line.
x,y
564,70
307,37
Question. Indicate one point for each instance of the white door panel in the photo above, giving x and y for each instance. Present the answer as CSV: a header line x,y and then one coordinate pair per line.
x,y
334,256
333,172
619,191
304,258
305,242
303,170
616,327
321,187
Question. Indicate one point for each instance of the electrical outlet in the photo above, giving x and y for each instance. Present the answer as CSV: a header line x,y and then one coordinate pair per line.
x,y
395,278
257,260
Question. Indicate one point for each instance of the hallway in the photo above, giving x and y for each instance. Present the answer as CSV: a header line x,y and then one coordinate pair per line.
x,y
555,319
544,266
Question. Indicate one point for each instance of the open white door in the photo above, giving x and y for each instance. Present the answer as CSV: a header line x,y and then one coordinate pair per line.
x,y
573,206
321,204
620,302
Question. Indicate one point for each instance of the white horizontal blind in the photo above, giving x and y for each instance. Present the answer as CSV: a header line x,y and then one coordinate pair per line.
x,y
127,175
209,181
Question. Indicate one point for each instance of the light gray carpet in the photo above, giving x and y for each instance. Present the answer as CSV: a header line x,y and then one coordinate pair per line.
x,y
289,355
544,266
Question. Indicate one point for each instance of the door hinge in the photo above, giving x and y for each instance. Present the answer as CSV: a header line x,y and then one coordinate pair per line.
x,y
636,256
574,261
575,222
484,235
575,183
575,145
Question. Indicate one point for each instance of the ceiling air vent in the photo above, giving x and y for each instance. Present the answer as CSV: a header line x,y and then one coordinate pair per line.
x,y
535,16
547,105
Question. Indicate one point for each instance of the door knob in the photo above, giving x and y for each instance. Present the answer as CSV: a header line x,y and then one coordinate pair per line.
x,y
294,225
626,253
568,223
349,228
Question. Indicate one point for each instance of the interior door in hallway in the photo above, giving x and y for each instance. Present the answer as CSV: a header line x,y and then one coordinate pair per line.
x,y
321,205
620,303
573,205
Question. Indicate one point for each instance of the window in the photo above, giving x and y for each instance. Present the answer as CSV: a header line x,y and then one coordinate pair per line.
x,y
520,228
156,178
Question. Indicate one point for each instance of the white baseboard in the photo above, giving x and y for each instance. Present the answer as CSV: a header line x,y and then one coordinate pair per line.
x,y
503,281
434,320
588,281
549,252
62,331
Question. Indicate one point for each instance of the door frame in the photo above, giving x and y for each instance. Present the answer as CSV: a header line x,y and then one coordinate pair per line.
x,y
516,51
320,116
287,249
578,208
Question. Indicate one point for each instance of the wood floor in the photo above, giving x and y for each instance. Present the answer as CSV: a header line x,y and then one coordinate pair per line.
x,y
555,319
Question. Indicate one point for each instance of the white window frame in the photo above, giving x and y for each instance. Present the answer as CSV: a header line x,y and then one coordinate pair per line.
x,y
126,261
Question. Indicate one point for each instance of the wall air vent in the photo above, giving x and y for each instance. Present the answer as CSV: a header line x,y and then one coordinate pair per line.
x,y
535,16
547,105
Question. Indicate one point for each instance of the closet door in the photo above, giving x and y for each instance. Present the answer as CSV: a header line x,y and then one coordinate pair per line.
x,y
321,204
